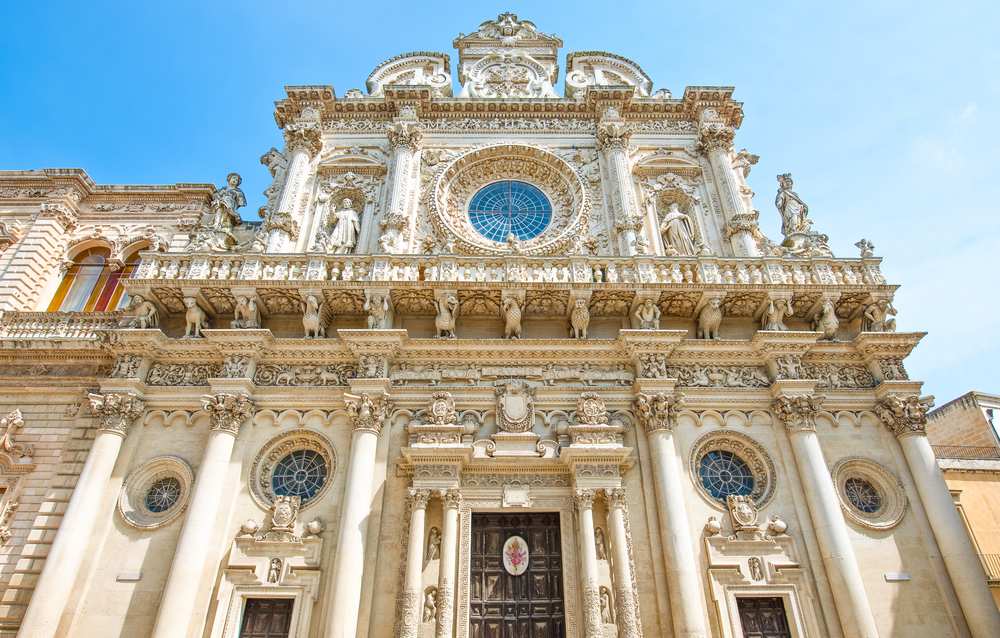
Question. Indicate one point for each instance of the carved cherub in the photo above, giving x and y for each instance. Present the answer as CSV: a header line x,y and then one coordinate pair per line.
x,y
195,319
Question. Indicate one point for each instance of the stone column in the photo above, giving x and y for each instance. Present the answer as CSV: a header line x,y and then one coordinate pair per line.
x,y
687,603
906,417
798,414
404,138
303,141
626,600
178,615
116,411
368,413
592,626
613,136
411,595
445,628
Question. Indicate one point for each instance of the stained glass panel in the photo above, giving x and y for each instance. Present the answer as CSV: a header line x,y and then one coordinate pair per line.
x,y
510,207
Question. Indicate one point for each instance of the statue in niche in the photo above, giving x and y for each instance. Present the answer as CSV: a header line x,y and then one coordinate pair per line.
x,y
274,571
879,317
794,211
434,544
430,604
607,615
774,316
648,315
343,236
246,314
602,547
677,232
226,202
756,569
145,314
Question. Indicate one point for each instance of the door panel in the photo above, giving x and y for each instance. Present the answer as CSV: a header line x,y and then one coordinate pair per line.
x,y
267,618
763,618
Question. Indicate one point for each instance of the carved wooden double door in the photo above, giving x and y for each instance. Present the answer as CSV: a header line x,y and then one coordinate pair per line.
x,y
529,605
763,618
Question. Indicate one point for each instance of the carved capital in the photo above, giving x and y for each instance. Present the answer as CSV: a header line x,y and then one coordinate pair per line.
x,y
116,410
613,136
405,135
742,223
451,499
616,498
584,499
281,220
418,498
368,412
715,136
305,137
10,233
228,411
798,413
904,415
656,412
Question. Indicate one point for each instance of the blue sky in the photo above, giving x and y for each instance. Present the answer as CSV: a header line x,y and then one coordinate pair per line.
x,y
885,112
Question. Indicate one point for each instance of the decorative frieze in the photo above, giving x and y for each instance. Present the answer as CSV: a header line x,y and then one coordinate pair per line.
x,y
177,374
279,374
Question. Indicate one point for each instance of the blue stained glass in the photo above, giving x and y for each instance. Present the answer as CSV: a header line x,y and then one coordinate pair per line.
x,y
302,473
510,207
723,473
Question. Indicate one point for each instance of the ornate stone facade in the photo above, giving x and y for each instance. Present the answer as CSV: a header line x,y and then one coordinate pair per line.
x,y
461,316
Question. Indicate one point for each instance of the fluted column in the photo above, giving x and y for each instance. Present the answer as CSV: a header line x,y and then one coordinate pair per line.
x,y
303,141
906,417
368,413
410,595
592,626
445,628
404,139
115,411
613,136
687,603
798,414
626,600
177,616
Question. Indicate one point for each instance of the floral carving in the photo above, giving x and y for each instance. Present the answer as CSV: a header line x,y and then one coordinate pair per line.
x,y
368,413
116,410
228,411
798,413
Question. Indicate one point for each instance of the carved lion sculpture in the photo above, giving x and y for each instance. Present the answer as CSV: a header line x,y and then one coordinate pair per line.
x,y
512,317
709,319
312,317
195,319
579,319
827,322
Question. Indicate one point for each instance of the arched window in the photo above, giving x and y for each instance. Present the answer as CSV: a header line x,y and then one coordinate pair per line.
x,y
90,285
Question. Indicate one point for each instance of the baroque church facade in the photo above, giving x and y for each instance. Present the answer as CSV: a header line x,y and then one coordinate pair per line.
x,y
496,362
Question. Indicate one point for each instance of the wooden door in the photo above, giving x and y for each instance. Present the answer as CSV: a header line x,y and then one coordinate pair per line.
x,y
763,618
526,606
267,618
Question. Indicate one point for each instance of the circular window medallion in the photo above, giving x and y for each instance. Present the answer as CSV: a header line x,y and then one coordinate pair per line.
x,y
510,208
299,463
156,493
870,495
515,556
728,463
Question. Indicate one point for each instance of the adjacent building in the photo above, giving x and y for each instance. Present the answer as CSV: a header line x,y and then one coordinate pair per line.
x,y
506,355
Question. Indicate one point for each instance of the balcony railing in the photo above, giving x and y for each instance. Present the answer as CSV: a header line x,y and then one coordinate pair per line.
x,y
991,563
56,325
966,452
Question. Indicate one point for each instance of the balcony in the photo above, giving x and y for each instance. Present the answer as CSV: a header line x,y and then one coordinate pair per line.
x,y
67,326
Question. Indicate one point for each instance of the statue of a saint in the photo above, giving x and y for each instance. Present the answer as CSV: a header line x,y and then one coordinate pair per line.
x,y
346,226
226,202
794,211
677,232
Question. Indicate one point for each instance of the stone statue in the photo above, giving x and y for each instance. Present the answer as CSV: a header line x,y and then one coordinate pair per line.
x,y
434,544
677,232
756,569
430,604
710,319
648,315
346,226
444,322
866,247
226,202
274,572
601,544
607,616
774,316
879,317
579,319
377,307
195,319
246,314
145,314
312,317
794,211
512,318
826,321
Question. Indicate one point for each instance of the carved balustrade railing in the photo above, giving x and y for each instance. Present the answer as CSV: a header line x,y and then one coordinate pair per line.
x,y
56,325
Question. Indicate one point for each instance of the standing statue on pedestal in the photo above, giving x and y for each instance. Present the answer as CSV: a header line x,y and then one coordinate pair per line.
x,y
677,232
800,239
346,226
217,234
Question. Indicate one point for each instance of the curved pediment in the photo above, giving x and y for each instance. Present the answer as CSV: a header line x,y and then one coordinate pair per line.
x,y
668,160
599,68
420,68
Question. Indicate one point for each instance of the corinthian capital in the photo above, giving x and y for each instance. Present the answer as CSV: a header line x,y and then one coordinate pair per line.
x,y
367,412
798,413
613,135
406,135
304,136
228,411
60,213
116,410
656,411
904,416
714,136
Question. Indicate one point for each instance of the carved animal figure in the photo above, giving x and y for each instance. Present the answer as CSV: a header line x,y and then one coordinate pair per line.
x,y
195,319
246,314
312,317
827,322
512,316
709,319
146,314
774,316
579,319
444,322
377,307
